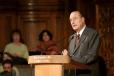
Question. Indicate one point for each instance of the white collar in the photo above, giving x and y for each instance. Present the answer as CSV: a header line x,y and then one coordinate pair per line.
x,y
81,31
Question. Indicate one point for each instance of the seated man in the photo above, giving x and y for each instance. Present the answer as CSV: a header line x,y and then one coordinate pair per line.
x,y
7,69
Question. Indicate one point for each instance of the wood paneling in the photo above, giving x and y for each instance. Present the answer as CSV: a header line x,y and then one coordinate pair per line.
x,y
7,23
105,26
34,16
31,17
33,24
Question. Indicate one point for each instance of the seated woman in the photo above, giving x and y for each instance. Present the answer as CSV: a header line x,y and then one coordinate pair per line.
x,y
46,45
16,50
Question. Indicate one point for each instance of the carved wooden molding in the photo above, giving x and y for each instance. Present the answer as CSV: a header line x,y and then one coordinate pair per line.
x,y
105,26
39,5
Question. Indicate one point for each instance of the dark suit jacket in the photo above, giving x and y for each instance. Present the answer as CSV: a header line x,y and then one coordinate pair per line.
x,y
4,73
87,50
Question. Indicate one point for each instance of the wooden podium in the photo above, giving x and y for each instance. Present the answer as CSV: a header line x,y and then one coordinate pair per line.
x,y
48,65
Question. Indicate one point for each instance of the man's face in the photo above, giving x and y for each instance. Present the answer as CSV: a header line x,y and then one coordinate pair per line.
x,y
77,21
7,67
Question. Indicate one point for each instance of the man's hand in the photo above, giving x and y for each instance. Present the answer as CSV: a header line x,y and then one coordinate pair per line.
x,y
65,52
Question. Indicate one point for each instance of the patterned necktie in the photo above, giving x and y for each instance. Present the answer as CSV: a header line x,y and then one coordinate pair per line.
x,y
77,39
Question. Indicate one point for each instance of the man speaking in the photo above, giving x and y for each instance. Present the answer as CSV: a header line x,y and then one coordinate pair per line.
x,y
83,44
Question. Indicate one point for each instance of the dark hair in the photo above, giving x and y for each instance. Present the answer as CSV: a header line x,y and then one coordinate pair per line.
x,y
7,62
48,33
17,31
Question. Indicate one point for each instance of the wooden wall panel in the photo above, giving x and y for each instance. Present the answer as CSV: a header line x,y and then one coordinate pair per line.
x,y
7,23
105,26
31,17
33,24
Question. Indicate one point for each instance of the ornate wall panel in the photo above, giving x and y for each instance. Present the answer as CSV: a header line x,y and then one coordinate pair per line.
x,y
32,16
105,26
33,23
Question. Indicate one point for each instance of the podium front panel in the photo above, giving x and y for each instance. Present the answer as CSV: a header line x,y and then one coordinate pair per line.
x,y
49,70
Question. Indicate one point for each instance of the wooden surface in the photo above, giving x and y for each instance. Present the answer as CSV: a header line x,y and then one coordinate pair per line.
x,y
38,59
31,18
56,59
48,70
105,27
76,66
48,65
28,70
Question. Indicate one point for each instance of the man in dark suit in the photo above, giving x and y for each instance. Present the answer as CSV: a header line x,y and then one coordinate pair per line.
x,y
83,44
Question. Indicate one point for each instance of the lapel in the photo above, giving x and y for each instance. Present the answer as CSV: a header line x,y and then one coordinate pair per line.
x,y
72,43
83,37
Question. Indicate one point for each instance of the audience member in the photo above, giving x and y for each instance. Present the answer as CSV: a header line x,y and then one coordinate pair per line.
x,y
16,50
8,68
46,45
